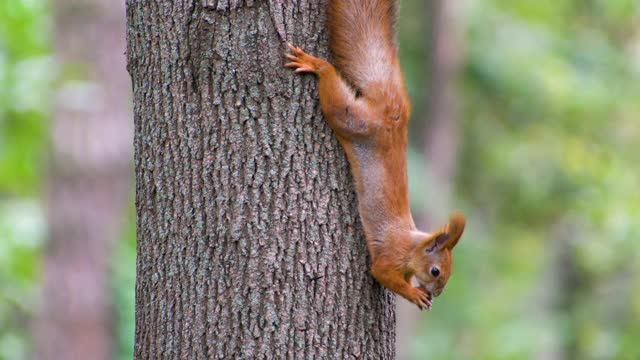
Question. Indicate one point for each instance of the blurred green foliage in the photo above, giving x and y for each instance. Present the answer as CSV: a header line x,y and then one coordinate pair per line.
x,y
27,74
24,87
25,77
123,286
548,174
548,105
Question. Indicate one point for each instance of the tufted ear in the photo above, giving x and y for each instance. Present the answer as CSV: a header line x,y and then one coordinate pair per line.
x,y
455,228
445,238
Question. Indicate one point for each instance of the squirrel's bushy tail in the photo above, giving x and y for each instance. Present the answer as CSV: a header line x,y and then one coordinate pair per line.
x,y
362,40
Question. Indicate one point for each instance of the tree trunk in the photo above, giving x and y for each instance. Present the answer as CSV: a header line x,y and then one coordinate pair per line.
x,y
249,240
89,180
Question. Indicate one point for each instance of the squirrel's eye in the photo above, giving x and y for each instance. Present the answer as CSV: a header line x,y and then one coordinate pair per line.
x,y
435,271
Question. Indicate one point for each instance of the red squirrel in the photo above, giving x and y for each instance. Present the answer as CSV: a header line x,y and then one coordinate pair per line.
x,y
364,101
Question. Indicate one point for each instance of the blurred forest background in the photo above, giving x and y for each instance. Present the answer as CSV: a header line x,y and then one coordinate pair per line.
x,y
526,118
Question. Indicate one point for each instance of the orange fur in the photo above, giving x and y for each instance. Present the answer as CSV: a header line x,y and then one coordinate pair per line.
x,y
365,102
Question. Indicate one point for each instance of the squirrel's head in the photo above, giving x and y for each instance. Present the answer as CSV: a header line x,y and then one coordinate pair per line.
x,y
432,259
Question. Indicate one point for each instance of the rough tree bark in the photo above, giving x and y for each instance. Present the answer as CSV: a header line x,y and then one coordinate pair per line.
x,y
89,180
249,242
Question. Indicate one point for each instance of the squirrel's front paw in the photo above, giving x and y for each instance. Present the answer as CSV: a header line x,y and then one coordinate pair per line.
x,y
301,61
420,298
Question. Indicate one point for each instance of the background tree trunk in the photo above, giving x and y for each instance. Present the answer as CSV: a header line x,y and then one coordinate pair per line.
x,y
249,241
89,180
440,134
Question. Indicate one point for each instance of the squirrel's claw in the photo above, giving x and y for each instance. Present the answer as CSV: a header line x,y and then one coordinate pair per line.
x,y
296,50
301,61
424,298
421,299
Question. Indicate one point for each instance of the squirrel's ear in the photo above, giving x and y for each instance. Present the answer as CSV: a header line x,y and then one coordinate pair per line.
x,y
434,242
447,237
455,228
